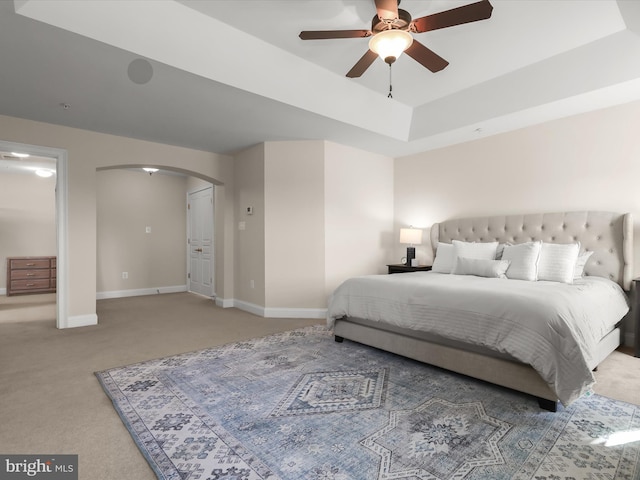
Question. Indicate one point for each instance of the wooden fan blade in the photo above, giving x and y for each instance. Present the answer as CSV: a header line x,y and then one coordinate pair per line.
x,y
426,57
327,34
387,9
456,16
361,65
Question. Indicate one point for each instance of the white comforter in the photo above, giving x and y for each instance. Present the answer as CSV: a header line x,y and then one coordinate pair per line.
x,y
551,326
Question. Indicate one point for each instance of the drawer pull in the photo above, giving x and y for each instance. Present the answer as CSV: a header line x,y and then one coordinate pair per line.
x,y
30,274
30,284
31,264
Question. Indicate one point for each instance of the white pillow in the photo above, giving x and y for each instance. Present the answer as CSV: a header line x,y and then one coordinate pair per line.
x,y
481,250
443,263
480,267
580,264
524,260
557,262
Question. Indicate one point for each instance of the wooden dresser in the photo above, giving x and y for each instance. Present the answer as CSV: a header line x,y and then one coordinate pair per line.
x,y
31,275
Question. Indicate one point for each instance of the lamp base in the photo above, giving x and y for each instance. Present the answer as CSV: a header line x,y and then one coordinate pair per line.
x,y
411,254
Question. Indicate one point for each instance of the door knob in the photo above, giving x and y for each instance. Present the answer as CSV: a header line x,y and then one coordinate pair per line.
x,y
198,250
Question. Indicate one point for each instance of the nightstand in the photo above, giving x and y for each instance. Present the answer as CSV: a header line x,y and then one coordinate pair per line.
x,y
402,268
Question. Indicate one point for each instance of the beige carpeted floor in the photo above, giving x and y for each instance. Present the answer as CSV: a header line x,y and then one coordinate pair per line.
x,y
51,402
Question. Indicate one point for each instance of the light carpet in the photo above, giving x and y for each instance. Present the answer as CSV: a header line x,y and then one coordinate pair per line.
x,y
298,405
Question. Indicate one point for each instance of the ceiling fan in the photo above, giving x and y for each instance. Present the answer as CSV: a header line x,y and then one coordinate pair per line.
x,y
392,27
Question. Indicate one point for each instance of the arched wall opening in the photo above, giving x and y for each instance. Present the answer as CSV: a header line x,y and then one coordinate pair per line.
x,y
158,204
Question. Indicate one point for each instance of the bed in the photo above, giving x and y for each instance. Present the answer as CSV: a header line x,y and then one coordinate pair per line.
x,y
465,322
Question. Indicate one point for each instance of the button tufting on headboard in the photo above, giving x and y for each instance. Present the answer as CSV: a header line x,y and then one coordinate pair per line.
x,y
609,235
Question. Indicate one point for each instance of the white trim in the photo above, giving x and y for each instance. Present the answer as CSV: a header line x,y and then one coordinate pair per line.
x,y
295,312
224,302
279,312
3,291
138,292
62,228
80,321
249,307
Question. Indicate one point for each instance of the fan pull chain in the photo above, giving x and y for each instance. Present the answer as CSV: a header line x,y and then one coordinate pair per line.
x,y
390,87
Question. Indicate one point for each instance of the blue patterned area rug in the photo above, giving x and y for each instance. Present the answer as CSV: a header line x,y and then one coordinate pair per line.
x,y
300,406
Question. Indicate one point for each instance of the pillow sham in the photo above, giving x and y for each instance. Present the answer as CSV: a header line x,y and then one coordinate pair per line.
x,y
443,263
580,264
480,267
557,262
481,250
524,260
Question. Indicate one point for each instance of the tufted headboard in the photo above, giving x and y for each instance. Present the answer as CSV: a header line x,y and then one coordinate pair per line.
x,y
609,235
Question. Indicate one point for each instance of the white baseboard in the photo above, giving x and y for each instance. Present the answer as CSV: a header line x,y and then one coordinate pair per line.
x,y
268,312
140,291
80,321
3,291
295,312
249,307
224,302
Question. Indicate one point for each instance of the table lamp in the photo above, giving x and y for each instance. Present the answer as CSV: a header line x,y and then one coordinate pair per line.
x,y
411,236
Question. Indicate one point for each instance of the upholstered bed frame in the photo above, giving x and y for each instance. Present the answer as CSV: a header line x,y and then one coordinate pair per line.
x,y
608,235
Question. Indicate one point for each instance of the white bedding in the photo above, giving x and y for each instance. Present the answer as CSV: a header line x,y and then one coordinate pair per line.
x,y
551,326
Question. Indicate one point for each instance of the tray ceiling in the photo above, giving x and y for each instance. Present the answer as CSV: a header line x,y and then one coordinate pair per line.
x,y
225,75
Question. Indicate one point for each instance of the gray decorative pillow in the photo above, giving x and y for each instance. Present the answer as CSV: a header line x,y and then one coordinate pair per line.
x,y
580,264
480,267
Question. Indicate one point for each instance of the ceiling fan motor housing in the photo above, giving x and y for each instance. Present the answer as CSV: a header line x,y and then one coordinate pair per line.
x,y
401,23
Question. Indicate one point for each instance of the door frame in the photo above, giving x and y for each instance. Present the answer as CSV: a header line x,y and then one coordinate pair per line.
x,y
62,234
211,186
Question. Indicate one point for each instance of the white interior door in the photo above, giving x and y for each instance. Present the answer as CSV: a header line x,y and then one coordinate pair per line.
x,y
200,242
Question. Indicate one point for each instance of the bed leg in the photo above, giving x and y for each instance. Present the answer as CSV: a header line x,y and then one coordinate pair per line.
x,y
338,339
550,405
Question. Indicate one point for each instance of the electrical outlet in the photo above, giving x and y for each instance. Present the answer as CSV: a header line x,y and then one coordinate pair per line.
x,y
125,275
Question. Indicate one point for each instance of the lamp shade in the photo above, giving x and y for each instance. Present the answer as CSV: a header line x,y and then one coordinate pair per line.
x,y
389,44
412,236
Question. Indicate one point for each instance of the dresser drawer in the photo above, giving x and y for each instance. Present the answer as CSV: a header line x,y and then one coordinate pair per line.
x,y
37,284
35,263
29,274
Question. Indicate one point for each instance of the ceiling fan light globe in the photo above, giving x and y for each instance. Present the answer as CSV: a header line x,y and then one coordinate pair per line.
x,y
390,44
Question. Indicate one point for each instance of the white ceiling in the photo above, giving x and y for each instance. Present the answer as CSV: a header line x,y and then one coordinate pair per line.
x,y
228,74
